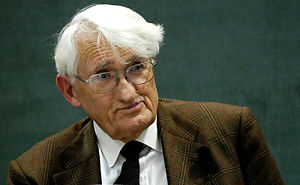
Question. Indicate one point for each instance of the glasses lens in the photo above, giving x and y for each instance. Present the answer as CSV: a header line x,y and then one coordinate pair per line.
x,y
140,73
102,82
137,74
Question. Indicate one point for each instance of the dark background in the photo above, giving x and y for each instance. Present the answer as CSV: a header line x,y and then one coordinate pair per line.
x,y
243,52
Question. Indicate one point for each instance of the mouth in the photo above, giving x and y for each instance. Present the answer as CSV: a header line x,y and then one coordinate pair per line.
x,y
135,107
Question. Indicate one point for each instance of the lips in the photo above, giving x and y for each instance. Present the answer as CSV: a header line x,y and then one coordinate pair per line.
x,y
132,107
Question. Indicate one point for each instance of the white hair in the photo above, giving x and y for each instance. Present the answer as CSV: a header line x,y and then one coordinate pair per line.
x,y
119,26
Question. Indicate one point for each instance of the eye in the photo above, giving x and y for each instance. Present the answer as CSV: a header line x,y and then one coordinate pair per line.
x,y
136,67
104,76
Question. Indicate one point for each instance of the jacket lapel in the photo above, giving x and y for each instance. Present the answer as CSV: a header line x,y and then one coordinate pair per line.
x,y
80,159
180,149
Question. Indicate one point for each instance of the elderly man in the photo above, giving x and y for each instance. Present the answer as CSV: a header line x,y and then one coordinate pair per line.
x,y
105,58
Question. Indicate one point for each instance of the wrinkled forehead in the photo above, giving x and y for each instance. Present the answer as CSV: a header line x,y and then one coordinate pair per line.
x,y
91,50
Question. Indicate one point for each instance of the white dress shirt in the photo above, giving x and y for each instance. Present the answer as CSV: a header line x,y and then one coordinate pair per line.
x,y
152,165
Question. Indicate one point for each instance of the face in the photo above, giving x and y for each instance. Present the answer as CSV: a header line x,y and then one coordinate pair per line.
x,y
126,111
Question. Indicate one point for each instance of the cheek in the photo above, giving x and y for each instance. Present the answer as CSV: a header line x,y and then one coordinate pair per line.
x,y
82,91
102,105
95,105
100,111
149,92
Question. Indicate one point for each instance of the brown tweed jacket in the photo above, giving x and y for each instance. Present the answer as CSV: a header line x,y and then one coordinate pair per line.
x,y
203,143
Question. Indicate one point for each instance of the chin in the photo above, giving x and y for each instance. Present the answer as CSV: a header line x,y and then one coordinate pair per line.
x,y
139,125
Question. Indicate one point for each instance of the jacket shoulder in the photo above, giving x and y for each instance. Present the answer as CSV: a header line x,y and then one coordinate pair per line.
x,y
43,155
209,119
197,110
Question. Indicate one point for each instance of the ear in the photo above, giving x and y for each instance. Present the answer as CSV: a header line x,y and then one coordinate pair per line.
x,y
66,88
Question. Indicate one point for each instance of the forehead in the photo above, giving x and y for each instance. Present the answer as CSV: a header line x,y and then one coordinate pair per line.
x,y
92,55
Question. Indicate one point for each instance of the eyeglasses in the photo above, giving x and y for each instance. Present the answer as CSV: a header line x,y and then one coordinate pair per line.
x,y
105,82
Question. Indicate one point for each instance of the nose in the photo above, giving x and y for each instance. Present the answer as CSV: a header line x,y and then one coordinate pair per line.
x,y
125,90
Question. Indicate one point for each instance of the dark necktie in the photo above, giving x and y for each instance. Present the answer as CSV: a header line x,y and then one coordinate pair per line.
x,y
130,169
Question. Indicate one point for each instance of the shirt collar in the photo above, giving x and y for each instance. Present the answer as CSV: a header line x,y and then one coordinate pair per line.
x,y
111,148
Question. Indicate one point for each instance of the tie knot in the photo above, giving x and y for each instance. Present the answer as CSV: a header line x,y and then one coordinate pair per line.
x,y
132,149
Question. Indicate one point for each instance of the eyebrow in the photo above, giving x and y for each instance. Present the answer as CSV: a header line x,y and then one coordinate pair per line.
x,y
104,63
133,59
101,65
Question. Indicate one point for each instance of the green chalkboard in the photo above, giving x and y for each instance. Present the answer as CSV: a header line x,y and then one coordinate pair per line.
x,y
237,52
